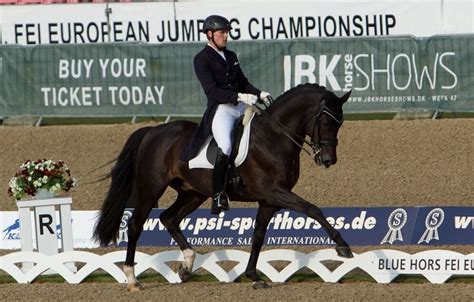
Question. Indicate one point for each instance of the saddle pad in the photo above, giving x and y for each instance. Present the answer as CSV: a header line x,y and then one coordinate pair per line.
x,y
201,161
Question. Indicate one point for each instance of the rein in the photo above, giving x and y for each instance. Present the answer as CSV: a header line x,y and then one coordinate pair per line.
x,y
315,146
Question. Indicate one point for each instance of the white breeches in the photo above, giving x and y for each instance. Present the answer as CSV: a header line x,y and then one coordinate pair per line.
x,y
223,123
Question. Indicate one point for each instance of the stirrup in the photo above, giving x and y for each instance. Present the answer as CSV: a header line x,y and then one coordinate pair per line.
x,y
220,202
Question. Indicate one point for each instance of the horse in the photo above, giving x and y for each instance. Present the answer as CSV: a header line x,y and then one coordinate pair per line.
x,y
149,163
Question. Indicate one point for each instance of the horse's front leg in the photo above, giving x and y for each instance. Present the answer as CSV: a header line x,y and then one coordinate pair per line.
x,y
264,214
284,198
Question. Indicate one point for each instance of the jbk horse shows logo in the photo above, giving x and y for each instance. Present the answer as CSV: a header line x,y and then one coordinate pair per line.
x,y
12,232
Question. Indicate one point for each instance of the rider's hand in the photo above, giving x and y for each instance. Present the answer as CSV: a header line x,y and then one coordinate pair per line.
x,y
266,98
247,98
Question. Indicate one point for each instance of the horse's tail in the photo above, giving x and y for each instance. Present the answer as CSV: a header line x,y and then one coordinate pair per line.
x,y
120,189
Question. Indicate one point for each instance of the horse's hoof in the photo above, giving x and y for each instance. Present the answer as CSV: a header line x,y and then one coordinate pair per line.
x,y
134,287
260,284
183,273
344,251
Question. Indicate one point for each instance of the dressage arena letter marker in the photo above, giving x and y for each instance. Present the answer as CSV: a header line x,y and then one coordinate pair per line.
x,y
47,224
46,240
47,229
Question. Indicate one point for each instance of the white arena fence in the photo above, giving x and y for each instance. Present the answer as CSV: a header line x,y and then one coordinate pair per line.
x,y
437,266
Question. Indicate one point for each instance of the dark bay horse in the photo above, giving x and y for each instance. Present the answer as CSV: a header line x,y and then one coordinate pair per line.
x,y
149,163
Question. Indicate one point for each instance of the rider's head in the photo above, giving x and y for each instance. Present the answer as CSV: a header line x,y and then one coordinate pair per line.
x,y
217,30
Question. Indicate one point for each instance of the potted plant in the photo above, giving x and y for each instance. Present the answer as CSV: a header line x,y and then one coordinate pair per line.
x,y
41,179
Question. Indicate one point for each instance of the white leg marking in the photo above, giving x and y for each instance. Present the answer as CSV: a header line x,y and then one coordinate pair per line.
x,y
130,274
189,256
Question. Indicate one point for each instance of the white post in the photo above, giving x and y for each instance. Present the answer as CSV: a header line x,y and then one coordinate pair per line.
x,y
26,236
66,227
45,227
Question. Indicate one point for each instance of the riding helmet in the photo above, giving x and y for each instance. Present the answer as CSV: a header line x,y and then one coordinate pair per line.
x,y
216,22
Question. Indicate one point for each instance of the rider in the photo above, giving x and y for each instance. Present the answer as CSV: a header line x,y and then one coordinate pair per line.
x,y
228,91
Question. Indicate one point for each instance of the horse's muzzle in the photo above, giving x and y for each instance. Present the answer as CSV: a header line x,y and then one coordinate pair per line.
x,y
322,161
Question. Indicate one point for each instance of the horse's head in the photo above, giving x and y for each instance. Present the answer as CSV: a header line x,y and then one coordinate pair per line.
x,y
327,121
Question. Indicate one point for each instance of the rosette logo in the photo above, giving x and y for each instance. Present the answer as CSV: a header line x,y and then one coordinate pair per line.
x,y
396,221
123,230
433,221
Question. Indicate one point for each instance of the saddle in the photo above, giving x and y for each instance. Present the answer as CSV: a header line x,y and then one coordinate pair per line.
x,y
240,142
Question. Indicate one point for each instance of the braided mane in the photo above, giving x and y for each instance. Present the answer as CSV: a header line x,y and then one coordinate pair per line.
x,y
289,94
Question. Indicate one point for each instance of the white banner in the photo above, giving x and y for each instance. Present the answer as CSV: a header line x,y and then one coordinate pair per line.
x,y
181,21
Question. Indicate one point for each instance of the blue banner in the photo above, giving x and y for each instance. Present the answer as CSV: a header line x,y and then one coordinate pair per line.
x,y
358,226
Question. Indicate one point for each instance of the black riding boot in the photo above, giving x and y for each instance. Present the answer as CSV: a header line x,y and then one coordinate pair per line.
x,y
220,201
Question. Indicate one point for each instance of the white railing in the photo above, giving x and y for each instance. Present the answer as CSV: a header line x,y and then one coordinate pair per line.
x,y
382,265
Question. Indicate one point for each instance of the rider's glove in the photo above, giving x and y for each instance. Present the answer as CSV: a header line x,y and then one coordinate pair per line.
x,y
247,98
266,98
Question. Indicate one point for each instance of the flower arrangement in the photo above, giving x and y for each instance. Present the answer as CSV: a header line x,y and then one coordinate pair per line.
x,y
41,174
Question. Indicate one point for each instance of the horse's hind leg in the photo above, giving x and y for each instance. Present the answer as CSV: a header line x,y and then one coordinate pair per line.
x,y
264,214
146,200
186,203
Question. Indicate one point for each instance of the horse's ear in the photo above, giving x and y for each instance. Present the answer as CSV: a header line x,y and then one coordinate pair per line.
x,y
345,97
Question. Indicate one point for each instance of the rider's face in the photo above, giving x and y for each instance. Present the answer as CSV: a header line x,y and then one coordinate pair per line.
x,y
220,38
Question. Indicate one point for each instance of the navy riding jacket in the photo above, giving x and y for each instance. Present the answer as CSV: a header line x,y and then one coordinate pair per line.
x,y
221,80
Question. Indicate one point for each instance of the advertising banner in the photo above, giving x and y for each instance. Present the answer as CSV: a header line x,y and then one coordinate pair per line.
x,y
358,226
158,22
374,226
384,74
99,80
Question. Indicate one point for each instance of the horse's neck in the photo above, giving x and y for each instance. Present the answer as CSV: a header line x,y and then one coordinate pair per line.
x,y
294,114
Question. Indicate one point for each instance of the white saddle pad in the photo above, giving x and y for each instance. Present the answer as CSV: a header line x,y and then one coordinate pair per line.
x,y
201,161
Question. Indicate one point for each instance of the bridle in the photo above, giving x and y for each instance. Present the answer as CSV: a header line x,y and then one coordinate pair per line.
x,y
316,145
